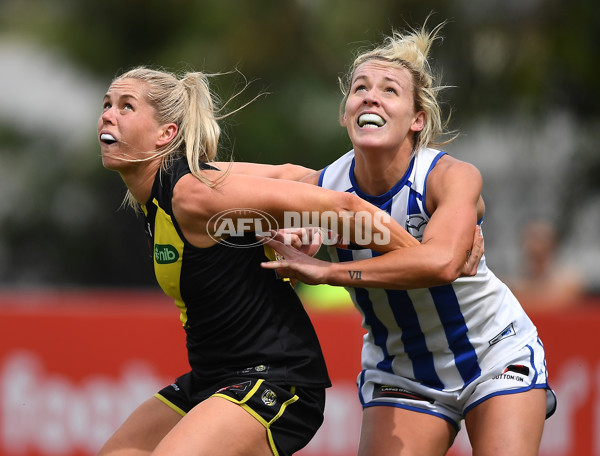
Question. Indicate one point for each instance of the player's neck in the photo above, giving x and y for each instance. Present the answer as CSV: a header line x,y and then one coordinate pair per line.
x,y
140,180
377,174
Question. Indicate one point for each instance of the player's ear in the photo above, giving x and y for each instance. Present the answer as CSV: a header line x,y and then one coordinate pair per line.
x,y
418,122
343,119
167,134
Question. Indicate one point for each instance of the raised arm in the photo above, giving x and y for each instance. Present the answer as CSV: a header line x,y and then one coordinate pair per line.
x,y
194,203
445,252
286,171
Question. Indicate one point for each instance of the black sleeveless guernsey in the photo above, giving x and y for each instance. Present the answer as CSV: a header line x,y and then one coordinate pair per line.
x,y
238,317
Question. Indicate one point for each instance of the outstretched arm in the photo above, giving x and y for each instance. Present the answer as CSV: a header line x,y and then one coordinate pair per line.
x,y
286,171
194,204
453,198
297,265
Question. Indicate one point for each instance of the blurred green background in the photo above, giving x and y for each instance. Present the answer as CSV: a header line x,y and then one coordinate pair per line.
x,y
524,95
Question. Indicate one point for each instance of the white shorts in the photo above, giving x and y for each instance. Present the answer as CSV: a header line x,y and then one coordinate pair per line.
x,y
524,370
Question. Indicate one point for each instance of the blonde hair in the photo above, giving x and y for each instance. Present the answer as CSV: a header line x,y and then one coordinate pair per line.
x,y
189,103
410,51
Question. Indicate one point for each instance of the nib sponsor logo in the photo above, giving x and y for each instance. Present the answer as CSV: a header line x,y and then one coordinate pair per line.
x,y
165,254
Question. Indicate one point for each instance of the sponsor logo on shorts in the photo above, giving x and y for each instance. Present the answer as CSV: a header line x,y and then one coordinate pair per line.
x,y
237,387
261,368
516,372
269,397
518,368
506,332
175,386
395,392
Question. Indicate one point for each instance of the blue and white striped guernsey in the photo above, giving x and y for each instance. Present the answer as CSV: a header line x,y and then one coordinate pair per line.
x,y
443,337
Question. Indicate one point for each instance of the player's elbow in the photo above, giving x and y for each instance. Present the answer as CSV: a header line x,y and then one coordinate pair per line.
x,y
345,204
293,172
447,268
350,204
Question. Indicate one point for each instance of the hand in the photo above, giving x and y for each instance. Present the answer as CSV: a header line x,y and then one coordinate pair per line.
x,y
294,263
307,240
474,255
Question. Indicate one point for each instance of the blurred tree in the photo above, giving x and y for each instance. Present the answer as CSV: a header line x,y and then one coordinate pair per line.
x,y
505,57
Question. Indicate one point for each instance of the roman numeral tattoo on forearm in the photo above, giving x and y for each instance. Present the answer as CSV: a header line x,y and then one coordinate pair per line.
x,y
357,275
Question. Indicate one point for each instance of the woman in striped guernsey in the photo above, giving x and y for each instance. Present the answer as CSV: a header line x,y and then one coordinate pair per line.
x,y
439,348
258,377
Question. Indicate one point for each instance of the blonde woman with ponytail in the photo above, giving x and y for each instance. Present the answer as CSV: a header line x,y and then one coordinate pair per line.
x,y
258,378
440,348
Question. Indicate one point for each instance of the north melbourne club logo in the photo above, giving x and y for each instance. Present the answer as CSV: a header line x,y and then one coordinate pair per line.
x,y
415,225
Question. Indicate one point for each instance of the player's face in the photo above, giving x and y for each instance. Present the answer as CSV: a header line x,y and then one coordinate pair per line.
x,y
127,128
379,112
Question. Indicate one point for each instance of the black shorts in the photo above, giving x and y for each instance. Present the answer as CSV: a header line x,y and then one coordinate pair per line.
x,y
291,415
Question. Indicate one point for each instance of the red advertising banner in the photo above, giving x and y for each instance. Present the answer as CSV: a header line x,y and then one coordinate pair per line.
x,y
73,365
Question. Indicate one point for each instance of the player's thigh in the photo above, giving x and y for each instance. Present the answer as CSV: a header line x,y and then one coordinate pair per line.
x,y
142,431
508,424
216,426
388,431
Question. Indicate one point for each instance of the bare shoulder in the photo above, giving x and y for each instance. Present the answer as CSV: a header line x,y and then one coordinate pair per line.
x,y
453,180
449,163
192,208
450,169
188,193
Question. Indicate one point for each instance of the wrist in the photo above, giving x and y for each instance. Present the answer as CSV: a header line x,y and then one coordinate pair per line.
x,y
340,275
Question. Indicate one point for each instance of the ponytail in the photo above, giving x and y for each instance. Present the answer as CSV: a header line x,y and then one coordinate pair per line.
x,y
199,127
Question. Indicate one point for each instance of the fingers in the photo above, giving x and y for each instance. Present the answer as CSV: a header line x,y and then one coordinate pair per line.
x,y
280,250
286,237
478,243
270,264
277,244
307,240
301,238
474,255
315,244
291,262
480,237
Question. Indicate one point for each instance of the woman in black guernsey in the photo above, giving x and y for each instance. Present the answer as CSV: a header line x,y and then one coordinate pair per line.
x,y
235,313
258,378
